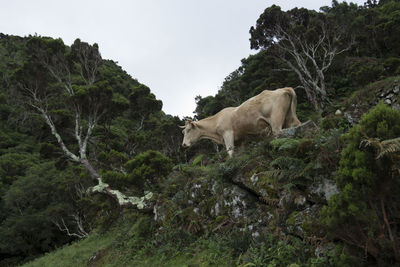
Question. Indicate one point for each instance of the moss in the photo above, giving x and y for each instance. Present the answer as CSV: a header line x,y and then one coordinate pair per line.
x,y
139,202
292,219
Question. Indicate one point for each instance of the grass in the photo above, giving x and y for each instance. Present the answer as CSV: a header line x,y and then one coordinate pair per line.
x,y
76,254
128,243
200,253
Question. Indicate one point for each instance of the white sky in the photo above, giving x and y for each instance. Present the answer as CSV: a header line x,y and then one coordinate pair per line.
x,y
179,48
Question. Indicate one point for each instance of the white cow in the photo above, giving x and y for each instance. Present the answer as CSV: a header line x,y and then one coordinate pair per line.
x,y
275,109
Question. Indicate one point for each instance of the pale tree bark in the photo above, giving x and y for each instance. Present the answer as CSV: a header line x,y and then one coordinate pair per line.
x,y
80,232
310,60
58,68
83,138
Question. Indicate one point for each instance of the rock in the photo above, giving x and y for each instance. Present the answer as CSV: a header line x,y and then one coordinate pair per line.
x,y
390,95
388,101
325,188
324,249
298,130
254,178
396,89
349,118
299,222
338,113
396,107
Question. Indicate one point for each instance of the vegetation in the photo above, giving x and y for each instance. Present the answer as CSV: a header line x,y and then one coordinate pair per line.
x,y
92,171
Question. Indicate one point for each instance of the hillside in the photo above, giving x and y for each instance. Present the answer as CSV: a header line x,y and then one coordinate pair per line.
x,y
93,174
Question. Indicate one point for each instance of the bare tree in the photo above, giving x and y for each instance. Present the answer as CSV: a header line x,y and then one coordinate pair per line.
x,y
306,41
310,59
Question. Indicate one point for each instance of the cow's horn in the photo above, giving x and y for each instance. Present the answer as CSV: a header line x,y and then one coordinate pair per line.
x,y
183,127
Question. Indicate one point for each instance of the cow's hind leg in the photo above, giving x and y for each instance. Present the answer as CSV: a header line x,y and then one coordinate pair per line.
x,y
229,140
278,115
263,127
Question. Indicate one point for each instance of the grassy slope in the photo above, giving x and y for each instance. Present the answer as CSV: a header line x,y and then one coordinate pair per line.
x,y
76,254
126,245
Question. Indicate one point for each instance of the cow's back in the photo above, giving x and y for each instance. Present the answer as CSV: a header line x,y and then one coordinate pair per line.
x,y
246,116
253,115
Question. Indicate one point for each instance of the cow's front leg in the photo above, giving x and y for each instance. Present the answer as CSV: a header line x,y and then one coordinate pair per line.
x,y
229,142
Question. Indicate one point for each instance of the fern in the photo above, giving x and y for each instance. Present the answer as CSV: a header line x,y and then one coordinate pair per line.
x,y
390,146
274,173
383,148
288,163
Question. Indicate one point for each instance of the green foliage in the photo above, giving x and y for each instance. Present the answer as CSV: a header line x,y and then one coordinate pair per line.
x,y
76,254
39,186
366,183
198,160
143,102
284,144
118,180
29,230
147,169
365,70
13,165
392,65
272,252
334,122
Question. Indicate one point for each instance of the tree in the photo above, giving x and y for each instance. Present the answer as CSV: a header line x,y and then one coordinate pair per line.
x,y
306,41
56,80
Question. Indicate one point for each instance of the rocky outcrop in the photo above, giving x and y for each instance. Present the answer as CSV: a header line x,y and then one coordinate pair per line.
x,y
390,96
298,130
386,91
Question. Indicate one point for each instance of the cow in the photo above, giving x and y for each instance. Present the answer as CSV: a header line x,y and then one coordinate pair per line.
x,y
269,110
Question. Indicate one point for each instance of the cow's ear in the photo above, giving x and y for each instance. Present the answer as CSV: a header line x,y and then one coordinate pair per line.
x,y
189,124
194,125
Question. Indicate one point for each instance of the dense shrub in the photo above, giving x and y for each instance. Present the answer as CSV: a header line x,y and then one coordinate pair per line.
x,y
364,213
362,71
147,169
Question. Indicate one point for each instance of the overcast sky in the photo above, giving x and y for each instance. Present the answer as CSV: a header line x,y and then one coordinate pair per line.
x,y
179,48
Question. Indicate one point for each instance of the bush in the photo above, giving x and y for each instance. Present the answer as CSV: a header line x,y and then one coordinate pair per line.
x,y
116,179
360,214
147,169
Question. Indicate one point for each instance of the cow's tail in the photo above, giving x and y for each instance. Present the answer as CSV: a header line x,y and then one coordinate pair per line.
x,y
291,117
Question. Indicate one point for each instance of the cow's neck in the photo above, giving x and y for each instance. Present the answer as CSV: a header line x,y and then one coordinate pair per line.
x,y
208,130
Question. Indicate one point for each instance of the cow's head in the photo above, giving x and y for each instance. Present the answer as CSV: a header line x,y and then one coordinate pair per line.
x,y
191,133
